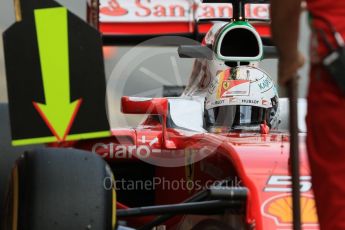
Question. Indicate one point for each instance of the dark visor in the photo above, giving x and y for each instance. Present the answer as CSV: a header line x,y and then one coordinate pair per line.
x,y
235,116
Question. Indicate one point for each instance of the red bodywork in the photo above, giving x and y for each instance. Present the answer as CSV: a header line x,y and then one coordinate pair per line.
x,y
253,160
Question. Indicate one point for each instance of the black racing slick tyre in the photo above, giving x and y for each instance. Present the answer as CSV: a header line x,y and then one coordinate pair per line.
x,y
60,189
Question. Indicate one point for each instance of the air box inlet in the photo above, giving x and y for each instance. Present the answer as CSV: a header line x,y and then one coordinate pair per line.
x,y
239,43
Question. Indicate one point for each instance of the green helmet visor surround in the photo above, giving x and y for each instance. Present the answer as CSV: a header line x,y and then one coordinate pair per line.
x,y
238,41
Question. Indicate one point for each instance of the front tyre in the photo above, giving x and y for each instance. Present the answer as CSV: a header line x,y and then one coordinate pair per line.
x,y
60,189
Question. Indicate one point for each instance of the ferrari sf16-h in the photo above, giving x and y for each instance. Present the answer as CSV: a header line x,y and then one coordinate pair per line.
x,y
216,157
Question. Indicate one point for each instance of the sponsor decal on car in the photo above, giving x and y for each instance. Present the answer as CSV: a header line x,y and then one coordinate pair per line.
x,y
279,209
283,183
171,10
119,151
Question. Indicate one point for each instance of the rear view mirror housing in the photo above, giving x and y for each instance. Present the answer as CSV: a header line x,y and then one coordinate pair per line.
x,y
270,52
151,106
140,105
198,51
195,51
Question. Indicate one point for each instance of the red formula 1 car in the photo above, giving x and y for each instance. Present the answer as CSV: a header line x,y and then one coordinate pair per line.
x,y
234,180
215,158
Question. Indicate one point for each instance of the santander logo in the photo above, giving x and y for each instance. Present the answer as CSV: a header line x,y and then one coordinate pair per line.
x,y
113,9
171,10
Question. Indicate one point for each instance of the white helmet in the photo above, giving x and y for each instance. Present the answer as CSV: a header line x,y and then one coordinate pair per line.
x,y
241,98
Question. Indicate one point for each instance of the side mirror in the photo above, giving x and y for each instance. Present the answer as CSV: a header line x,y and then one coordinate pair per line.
x,y
152,106
140,105
195,51
270,52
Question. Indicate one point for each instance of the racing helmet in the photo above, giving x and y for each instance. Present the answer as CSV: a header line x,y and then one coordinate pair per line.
x,y
241,98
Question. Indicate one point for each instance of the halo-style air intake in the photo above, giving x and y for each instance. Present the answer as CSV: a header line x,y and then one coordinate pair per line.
x,y
238,41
